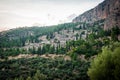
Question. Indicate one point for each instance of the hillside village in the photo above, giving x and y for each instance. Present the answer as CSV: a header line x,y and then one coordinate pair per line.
x,y
60,38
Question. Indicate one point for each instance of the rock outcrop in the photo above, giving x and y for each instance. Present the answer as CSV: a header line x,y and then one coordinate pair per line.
x,y
109,10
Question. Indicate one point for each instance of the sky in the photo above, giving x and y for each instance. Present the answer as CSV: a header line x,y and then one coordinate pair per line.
x,y
21,13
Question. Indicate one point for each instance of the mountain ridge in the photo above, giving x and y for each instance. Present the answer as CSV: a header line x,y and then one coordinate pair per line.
x,y
108,10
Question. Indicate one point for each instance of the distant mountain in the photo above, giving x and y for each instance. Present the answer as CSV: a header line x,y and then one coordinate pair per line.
x,y
71,17
38,24
108,10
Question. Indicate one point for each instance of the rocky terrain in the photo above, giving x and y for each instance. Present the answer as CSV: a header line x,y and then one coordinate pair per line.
x,y
108,10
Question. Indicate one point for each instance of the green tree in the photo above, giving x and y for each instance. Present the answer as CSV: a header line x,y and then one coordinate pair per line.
x,y
33,50
114,33
106,66
39,50
77,36
52,50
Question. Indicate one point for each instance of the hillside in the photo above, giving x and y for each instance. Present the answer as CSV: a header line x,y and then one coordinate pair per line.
x,y
108,10
79,50
29,34
77,44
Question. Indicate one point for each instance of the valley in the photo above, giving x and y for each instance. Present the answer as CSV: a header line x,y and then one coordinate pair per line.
x,y
88,48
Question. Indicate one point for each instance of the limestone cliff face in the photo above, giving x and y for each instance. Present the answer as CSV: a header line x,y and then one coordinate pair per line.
x,y
108,10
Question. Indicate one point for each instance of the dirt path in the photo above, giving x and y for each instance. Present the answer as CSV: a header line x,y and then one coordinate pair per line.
x,y
51,56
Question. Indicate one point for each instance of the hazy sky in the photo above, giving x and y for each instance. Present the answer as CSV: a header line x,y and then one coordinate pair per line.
x,y
18,13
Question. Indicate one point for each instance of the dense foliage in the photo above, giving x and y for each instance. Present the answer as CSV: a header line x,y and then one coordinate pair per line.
x,y
106,66
51,69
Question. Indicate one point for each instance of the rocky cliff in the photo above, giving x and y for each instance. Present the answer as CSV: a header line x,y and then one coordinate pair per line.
x,y
109,10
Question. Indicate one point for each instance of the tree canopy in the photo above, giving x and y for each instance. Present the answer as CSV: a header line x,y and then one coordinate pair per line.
x,y
106,66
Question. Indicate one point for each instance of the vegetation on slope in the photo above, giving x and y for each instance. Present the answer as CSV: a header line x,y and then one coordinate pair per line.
x,y
106,66
52,69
